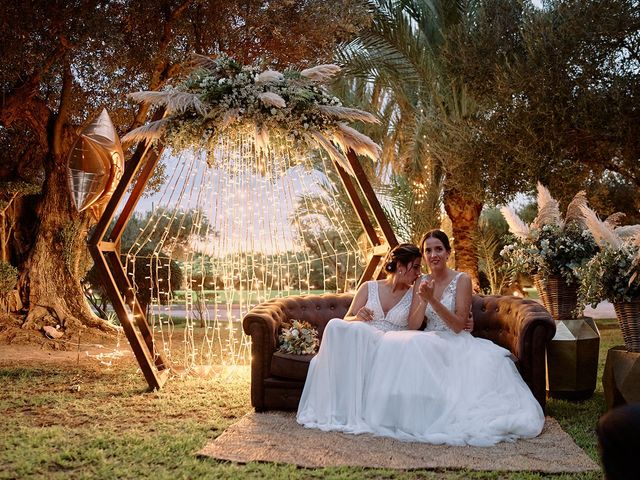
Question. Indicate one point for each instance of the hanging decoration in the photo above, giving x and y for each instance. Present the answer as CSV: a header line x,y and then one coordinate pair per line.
x,y
250,209
95,165
222,97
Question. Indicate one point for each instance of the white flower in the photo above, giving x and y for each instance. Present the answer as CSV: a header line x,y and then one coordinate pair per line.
x,y
270,99
270,76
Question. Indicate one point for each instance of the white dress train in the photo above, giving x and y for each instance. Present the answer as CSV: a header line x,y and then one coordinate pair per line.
x,y
441,387
333,395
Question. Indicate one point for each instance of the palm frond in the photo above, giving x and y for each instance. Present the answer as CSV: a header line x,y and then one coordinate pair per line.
x,y
148,132
602,233
172,100
516,225
319,139
350,138
348,114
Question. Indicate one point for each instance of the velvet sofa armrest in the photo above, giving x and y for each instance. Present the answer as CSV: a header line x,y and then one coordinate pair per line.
x,y
262,324
524,327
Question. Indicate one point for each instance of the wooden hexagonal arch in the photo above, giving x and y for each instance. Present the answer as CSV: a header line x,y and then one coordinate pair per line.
x,y
105,249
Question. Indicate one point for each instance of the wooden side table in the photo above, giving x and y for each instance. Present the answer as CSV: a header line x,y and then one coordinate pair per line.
x,y
621,377
572,359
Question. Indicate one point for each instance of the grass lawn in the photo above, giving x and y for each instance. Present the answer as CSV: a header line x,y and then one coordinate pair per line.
x,y
68,420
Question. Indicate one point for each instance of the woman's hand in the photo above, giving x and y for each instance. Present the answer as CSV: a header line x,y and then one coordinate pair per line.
x,y
364,315
426,290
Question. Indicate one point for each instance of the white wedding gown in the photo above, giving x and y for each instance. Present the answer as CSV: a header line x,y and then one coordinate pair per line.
x,y
333,395
441,387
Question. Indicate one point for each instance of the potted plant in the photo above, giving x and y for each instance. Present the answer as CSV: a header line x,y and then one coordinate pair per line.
x,y
613,273
551,250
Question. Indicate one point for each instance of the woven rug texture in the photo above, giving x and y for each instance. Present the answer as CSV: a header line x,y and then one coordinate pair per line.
x,y
277,437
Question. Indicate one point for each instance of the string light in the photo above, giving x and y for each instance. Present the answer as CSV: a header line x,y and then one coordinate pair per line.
x,y
243,228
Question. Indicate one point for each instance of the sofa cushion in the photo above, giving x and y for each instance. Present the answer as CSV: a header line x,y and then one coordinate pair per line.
x,y
288,365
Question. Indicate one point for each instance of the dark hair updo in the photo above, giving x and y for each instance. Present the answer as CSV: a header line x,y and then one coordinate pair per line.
x,y
405,253
440,235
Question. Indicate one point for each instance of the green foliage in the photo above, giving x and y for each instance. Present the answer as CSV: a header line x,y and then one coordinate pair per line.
x,y
18,187
611,275
412,209
552,250
563,109
172,227
8,277
495,274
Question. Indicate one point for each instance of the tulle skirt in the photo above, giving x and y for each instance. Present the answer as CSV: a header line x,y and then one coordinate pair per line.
x,y
435,387
333,395
441,387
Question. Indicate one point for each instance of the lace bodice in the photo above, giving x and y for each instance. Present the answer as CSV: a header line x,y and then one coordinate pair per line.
x,y
434,322
397,317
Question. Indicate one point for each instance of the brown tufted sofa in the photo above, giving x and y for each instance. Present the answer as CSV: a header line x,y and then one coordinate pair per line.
x,y
523,327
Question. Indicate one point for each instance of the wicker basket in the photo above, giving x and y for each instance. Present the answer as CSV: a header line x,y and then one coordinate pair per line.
x,y
557,296
629,318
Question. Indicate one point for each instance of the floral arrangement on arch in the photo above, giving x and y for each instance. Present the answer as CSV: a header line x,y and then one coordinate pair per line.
x,y
221,95
613,274
551,245
300,338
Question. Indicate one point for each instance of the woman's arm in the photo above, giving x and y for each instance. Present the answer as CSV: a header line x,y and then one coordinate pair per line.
x,y
357,309
456,321
418,306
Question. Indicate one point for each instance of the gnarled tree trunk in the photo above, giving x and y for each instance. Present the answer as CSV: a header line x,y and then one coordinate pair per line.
x,y
464,213
50,277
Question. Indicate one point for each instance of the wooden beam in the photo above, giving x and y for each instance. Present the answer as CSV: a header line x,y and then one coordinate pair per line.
x,y
106,255
371,197
143,356
361,211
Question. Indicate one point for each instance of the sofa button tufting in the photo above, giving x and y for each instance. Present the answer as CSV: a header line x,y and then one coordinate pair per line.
x,y
332,307
303,308
317,307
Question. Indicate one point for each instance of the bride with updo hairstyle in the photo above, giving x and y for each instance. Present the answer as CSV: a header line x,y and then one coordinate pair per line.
x,y
333,395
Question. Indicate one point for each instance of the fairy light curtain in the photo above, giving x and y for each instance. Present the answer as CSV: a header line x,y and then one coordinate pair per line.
x,y
248,212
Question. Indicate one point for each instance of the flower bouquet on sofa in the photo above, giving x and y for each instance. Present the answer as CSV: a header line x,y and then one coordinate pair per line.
x,y
299,338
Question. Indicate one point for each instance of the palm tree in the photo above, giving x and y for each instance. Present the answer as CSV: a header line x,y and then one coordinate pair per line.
x,y
404,52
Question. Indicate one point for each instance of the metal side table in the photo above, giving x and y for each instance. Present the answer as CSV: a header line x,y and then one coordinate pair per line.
x,y
572,359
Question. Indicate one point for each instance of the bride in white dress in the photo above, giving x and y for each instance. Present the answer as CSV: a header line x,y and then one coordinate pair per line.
x,y
333,395
443,385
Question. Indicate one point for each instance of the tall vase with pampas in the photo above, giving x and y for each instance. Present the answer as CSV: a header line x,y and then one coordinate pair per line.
x,y
614,273
551,249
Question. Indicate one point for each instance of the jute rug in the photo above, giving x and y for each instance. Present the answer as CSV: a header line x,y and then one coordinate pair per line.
x,y
276,437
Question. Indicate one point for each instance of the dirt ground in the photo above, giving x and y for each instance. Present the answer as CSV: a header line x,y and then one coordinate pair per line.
x,y
23,346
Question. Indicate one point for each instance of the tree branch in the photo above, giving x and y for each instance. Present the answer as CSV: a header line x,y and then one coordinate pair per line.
x,y
161,67
63,111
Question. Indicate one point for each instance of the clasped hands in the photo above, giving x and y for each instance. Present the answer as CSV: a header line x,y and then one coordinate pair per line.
x,y
426,292
364,314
